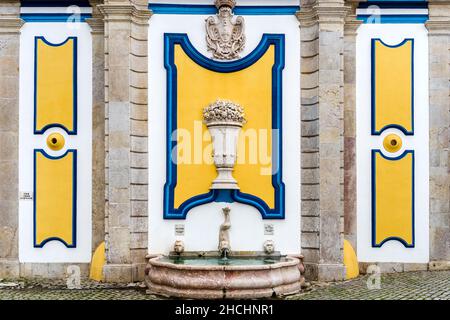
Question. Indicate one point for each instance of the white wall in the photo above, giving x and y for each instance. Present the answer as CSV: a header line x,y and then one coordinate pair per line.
x,y
392,251
202,223
55,251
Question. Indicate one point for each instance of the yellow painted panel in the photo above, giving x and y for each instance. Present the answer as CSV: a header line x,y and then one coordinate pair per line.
x,y
393,85
394,198
252,89
55,84
54,202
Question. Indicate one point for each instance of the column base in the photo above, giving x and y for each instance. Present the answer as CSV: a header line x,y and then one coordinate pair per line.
x,y
124,273
331,272
9,268
439,265
324,272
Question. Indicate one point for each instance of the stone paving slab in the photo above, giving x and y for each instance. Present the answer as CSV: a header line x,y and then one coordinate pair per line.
x,y
424,285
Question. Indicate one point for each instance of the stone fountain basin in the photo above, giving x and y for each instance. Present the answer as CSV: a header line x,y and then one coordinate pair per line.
x,y
198,281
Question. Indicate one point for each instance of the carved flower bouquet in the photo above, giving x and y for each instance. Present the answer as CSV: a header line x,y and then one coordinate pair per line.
x,y
224,111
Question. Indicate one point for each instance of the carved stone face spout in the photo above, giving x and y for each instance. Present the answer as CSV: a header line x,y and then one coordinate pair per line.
x,y
178,247
269,247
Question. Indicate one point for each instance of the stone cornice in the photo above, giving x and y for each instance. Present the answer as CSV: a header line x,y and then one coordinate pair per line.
x,y
121,12
438,27
97,24
322,15
439,18
10,25
439,2
351,25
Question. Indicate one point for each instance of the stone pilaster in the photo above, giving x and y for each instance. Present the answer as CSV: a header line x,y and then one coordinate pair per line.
x,y
322,101
439,76
350,196
10,24
98,125
126,33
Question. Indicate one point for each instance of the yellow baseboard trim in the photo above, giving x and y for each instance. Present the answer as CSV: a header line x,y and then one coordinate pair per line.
x,y
350,261
97,263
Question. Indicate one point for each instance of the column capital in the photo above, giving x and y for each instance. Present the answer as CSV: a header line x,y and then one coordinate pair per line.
x,y
10,22
97,25
125,12
10,25
323,14
351,25
439,17
438,2
438,27
96,22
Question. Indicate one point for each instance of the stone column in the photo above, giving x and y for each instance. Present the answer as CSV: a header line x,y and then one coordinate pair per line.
x,y
322,98
350,196
98,124
10,24
126,29
439,76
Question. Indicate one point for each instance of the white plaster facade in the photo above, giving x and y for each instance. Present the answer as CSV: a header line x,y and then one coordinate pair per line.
x,y
326,89
247,232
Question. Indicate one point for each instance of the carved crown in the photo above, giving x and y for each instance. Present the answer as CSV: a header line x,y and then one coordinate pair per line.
x,y
228,3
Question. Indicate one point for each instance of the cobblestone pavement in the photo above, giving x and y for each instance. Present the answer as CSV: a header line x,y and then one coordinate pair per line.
x,y
409,285
424,285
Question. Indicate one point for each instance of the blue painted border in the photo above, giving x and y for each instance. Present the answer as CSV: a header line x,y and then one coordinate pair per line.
x,y
395,18
372,87
54,3
74,199
378,245
167,8
75,86
53,17
170,40
397,4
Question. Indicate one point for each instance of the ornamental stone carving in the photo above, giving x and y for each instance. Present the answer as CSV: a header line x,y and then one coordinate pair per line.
x,y
269,246
178,247
224,119
225,38
224,235
224,111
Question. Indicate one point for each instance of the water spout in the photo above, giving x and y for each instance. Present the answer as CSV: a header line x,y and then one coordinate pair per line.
x,y
224,237
224,254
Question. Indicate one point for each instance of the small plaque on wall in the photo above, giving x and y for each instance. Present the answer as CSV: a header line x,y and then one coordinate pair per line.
x,y
25,195
179,229
268,229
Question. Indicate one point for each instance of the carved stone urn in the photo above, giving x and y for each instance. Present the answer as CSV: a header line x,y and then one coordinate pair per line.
x,y
224,119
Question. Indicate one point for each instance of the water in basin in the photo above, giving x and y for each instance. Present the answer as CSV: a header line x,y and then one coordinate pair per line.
x,y
217,261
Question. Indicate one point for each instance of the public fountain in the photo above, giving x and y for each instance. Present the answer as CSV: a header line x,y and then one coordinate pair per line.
x,y
224,273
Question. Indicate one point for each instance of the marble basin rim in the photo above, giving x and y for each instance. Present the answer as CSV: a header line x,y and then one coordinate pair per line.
x,y
224,281
291,261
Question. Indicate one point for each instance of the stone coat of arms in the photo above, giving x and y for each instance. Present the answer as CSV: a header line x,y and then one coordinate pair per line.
x,y
225,38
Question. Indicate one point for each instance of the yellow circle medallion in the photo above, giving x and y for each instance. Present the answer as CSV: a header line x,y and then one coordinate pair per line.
x,y
392,143
55,141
